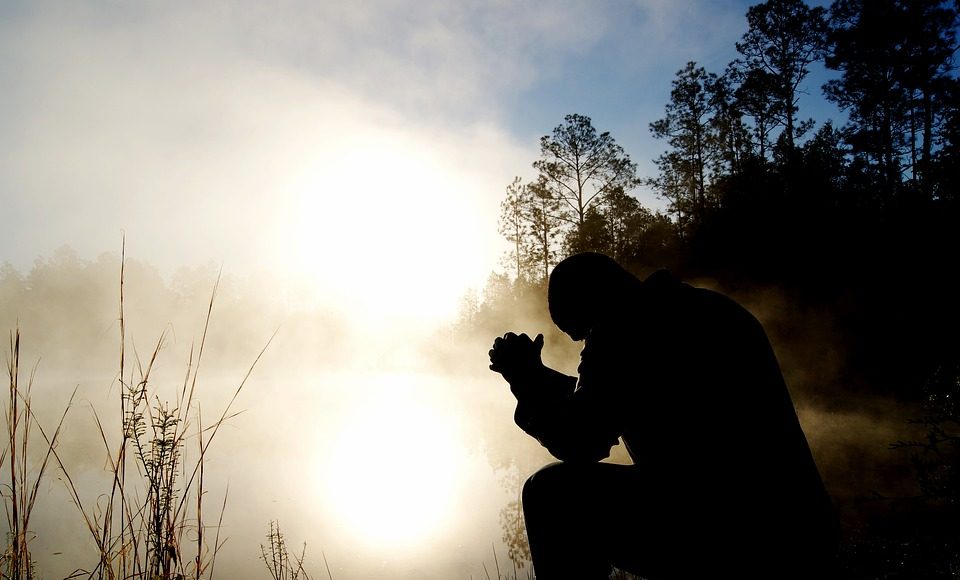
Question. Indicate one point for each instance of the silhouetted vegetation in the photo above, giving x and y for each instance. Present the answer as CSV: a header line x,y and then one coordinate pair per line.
x,y
856,217
24,470
279,562
149,522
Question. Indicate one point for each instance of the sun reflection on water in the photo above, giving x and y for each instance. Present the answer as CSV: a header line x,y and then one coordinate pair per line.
x,y
395,467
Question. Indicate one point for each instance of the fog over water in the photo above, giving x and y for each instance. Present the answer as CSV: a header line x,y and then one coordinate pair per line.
x,y
352,440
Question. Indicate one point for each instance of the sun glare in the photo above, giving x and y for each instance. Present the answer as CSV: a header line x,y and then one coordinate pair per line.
x,y
394,471
385,226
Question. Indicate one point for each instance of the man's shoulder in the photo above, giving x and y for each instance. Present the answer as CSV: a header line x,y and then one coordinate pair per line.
x,y
664,287
663,291
661,278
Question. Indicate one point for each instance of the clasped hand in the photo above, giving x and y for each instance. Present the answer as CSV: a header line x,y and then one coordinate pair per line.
x,y
516,355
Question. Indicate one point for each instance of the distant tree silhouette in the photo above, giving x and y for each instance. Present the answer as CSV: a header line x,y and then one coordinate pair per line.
x,y
578,168
511,520
545,231
626,221
826,154
783,39
686,126
730,137
936,458
613,227
756,98
943,176
513,224
529,220
895,59
592,235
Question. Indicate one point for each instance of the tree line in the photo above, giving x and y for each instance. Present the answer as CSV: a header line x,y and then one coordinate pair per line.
x,y
863,210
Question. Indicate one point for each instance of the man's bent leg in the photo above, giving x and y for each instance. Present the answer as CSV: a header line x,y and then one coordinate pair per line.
x,y
581,518
560,528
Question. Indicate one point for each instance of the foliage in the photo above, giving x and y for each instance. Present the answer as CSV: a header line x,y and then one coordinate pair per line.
x,y
145,538
529,220
685,169
512,522
150,522
513,224
579,202
783,39
279,562
578,169
896,63
936,459
730,136
755,98
616,227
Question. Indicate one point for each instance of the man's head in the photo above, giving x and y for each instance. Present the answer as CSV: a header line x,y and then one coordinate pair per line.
x,y
586,289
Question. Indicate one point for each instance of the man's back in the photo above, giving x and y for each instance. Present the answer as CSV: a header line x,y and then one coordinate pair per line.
x,y
723,479
699,400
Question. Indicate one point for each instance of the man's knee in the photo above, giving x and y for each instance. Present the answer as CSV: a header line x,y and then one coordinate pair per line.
x,y
552,483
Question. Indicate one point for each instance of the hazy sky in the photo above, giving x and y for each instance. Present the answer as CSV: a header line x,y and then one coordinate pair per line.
x,y
313,140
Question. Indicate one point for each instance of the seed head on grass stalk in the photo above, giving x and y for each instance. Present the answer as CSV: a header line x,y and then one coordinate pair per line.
x,y
278,560
139,526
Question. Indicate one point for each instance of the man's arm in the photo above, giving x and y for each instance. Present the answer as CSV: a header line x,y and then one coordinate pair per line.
x,y
573,425
536,394
517,359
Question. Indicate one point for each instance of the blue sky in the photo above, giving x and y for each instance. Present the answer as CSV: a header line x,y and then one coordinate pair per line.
x,y
623,79
226,132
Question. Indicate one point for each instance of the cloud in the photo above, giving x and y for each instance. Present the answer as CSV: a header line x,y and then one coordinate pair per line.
x,y
198,131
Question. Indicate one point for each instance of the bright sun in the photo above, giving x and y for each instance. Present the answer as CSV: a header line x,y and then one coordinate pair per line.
x,y
387,227
394,470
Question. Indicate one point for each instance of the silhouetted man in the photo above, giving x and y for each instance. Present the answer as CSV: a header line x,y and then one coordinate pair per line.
x,y
723,482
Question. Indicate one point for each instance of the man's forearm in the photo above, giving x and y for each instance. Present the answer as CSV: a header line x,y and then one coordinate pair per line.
x,y
571,426
541,384
537,391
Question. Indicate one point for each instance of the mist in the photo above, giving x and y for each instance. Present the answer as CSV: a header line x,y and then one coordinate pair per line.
x,y
326,399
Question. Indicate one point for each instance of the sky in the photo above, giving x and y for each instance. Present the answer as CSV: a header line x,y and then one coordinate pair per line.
x,y
351,155
318,140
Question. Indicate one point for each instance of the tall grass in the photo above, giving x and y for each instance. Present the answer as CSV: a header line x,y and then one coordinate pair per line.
x,y
280,563
19,490
150,522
